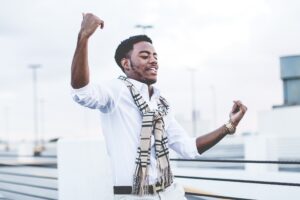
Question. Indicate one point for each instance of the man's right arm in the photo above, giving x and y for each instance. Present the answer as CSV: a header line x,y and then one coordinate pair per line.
x,y
80,66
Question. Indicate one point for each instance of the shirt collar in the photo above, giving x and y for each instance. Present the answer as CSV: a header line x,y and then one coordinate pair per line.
x,y
142,87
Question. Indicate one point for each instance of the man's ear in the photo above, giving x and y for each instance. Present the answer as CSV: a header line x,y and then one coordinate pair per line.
x,y
125,64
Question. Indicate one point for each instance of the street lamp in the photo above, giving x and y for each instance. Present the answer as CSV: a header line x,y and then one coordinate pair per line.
x,y
7,126
42,120
193,96
37,147
144,27
214,104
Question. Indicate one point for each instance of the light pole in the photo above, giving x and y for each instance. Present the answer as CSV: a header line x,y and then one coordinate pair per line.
x,y
37,148
143,27
214,104
193,96
42,119
7,127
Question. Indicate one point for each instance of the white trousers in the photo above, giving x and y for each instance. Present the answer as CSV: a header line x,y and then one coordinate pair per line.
x,y
173,192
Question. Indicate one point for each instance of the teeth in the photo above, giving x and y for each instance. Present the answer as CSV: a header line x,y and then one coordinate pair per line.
x,y
153,69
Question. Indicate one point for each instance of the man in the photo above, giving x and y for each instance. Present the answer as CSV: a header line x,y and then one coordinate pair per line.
x,y
138,124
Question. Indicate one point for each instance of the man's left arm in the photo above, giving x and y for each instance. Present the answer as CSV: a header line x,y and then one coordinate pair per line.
x,y
208,140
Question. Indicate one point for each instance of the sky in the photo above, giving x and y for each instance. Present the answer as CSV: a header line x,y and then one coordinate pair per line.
x,y
233,48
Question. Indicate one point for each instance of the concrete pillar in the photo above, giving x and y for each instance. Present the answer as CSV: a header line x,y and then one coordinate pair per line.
x,y
84,170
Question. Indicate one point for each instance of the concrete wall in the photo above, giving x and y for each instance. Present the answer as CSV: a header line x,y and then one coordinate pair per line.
x,y
282,121
84,170
278,138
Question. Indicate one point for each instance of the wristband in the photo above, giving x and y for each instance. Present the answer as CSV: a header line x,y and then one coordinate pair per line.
x,y
230,127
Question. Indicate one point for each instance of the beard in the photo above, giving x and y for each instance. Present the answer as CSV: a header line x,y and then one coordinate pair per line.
x,y
141,75
149,81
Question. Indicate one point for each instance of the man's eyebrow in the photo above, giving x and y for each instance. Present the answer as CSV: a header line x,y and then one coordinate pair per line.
x,y
147,52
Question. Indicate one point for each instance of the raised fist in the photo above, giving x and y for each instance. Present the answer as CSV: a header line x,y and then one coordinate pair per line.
x,y
89,24
237,113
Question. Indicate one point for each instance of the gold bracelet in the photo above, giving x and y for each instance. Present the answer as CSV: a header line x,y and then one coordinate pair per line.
x,y
230,127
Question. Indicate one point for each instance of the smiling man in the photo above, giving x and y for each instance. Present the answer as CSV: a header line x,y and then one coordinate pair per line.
x,y
138,123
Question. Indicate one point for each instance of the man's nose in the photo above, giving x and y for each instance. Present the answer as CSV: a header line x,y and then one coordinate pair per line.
x,y
153,60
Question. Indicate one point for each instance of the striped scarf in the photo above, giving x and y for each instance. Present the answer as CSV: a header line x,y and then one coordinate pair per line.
x,y
152,123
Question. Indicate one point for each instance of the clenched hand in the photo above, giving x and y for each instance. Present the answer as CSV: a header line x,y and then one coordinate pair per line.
x,y
89,24
237,113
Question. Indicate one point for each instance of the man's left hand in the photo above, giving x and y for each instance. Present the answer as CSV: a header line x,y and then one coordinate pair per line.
x,y
237,113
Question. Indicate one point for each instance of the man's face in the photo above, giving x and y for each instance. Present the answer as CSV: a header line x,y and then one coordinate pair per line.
x,y
142,63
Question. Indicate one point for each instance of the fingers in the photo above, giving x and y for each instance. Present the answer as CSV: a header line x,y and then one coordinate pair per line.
x,y
244,108
234,107
90,23
240,106
101,24
93,18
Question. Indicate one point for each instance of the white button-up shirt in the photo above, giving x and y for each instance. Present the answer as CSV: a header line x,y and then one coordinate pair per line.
x,y
122,122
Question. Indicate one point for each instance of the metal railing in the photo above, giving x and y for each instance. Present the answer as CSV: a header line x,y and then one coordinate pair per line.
x,y
12,180
285,162
289,162
214,196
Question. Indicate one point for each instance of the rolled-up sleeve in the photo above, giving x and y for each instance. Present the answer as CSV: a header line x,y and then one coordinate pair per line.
x,y
94,96
180,141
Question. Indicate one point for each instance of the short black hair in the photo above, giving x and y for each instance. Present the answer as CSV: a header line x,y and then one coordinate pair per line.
x,y
127,45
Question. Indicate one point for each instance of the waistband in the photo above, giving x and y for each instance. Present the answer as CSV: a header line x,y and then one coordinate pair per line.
x,y
152,189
